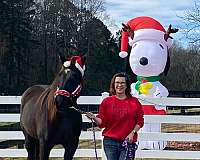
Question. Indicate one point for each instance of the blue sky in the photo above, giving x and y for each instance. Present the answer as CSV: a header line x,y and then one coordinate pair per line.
x,y
165,11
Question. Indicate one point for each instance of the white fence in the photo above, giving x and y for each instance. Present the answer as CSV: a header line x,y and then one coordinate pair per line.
x,y
91,100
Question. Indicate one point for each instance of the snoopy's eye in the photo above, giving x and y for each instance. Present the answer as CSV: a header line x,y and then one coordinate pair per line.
x,y
161,46
134,45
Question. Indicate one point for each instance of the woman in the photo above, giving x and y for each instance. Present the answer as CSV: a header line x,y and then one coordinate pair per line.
x,y
121,116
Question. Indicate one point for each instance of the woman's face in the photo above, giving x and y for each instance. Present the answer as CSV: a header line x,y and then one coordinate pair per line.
x,y
120,85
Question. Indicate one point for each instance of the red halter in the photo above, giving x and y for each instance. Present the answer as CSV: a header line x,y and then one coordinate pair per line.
x,y
65,93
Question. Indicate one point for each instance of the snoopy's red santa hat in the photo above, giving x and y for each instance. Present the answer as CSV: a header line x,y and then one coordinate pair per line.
x,y
144,28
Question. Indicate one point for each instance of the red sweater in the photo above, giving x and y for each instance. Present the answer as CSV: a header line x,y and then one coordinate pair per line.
x,y
119,117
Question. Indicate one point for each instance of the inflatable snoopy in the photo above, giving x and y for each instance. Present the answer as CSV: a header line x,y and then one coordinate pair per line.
x,y
149,58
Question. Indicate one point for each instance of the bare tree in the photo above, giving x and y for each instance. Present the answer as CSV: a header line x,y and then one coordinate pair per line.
x,y
184,73
191,19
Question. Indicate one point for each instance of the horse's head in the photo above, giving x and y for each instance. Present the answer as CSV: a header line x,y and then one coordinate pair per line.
x,y
69,81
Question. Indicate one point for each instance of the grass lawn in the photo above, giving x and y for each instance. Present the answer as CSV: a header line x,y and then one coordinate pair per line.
x,y
5,124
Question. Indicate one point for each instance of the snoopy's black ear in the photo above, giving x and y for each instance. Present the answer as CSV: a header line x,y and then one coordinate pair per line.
x,y
167,65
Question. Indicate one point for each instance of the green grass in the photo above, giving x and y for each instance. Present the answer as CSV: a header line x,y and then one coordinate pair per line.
x,y
6,124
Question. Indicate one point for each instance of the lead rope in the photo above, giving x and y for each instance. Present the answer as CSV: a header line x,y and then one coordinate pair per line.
x,y
93,130
94,138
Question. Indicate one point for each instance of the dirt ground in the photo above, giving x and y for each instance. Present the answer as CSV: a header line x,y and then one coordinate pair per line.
x,y
184,146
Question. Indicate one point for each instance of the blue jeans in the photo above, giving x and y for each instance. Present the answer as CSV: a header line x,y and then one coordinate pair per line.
x,y
113,149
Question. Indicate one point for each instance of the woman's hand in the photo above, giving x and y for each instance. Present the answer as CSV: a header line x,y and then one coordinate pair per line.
x,y
130,137
90,115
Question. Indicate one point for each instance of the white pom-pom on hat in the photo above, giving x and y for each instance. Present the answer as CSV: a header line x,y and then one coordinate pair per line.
x,y
124,45
67,63
123,54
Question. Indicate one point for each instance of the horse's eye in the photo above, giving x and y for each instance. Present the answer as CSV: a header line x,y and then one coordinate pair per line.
x,y
161,46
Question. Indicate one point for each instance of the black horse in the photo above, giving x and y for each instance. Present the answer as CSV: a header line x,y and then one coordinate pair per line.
x,y
47,113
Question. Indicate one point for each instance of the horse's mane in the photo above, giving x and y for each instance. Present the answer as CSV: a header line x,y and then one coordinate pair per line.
x,y
47,98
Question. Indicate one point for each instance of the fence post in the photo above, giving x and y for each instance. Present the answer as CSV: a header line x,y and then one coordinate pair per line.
x,y
103,95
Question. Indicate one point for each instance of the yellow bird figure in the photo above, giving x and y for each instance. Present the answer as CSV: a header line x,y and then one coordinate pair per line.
x,y
145,87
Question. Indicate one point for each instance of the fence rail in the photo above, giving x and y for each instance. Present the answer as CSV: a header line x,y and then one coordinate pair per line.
x,y
88,135
91,100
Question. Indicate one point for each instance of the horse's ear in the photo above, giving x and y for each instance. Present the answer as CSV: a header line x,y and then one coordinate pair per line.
x,y
83,59
62,58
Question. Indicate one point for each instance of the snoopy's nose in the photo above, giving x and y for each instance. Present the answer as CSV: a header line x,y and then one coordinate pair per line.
x,y
143,61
